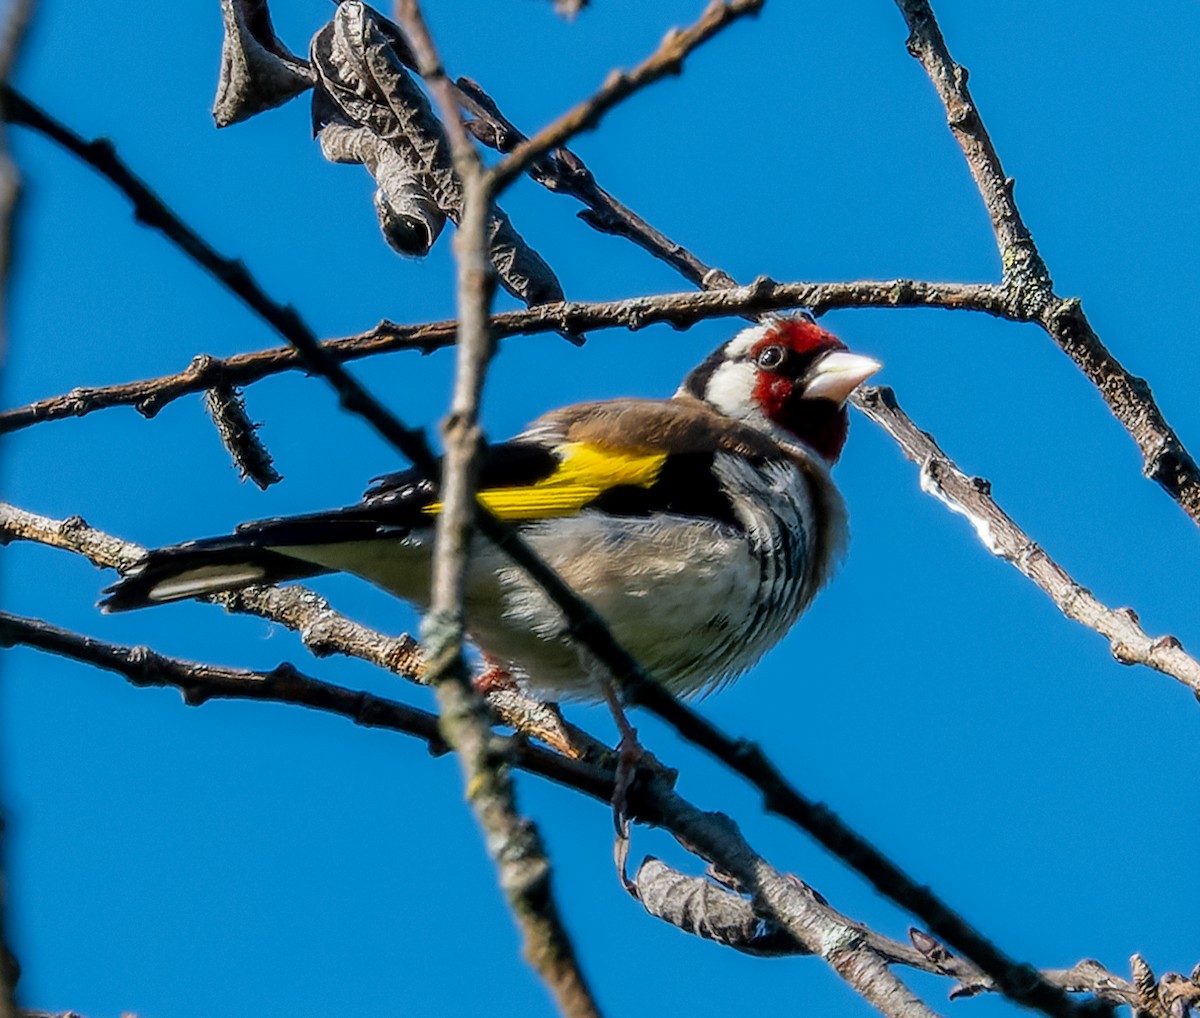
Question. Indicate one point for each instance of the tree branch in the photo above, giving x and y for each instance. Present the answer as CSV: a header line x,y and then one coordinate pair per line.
x,y
679,310
12,35
150,210
563,172
512,840
200,683
1027,282
323,630
619,85
971,496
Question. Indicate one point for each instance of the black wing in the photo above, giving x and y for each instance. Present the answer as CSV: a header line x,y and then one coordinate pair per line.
x,y
393,507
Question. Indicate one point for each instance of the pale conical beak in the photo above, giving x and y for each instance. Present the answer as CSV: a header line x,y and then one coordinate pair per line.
x,y
838,374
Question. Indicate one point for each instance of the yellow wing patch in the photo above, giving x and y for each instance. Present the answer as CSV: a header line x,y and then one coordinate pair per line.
x,y
585,472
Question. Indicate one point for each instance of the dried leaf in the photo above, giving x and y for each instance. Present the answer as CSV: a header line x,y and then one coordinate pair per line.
x,y
257,71
367,108
408,214
700,907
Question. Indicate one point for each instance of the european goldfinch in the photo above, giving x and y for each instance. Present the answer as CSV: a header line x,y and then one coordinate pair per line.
x,y
699,527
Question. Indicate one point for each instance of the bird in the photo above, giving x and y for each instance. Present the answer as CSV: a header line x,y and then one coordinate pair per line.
x,y
699,527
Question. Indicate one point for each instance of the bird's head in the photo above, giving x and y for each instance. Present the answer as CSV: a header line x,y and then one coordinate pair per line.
x,y
786,374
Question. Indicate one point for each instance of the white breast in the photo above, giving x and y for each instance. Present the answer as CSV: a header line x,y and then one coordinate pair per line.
x,y
697,602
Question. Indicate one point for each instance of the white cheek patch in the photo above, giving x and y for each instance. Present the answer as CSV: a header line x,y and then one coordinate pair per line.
x,y
731,389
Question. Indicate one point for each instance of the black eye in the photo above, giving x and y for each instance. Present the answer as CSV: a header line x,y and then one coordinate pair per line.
x,y
770,357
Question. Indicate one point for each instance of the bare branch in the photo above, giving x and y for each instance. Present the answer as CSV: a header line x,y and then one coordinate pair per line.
x,y
679,310
323,630
619,85
563,172
715,909
971,496
1027,281
1018,253
150,210
200,683
1086,976
513,841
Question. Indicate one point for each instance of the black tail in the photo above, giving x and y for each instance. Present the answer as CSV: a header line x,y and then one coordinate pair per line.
x,y
254,554
202,567
243,559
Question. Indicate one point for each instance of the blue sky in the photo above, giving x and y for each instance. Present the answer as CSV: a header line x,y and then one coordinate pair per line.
x,y
259,860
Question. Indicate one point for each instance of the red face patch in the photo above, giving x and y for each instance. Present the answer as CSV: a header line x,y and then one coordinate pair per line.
x,y
772,393
783,357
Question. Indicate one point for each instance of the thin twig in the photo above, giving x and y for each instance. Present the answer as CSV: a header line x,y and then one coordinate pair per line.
x,y
563,172
972,497
323,630
12,36
1027,282
619,85
679,310
513,841
200,683
150,210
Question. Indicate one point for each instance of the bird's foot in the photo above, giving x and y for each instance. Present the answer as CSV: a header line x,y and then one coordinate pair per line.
x,y
629,754
493,676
